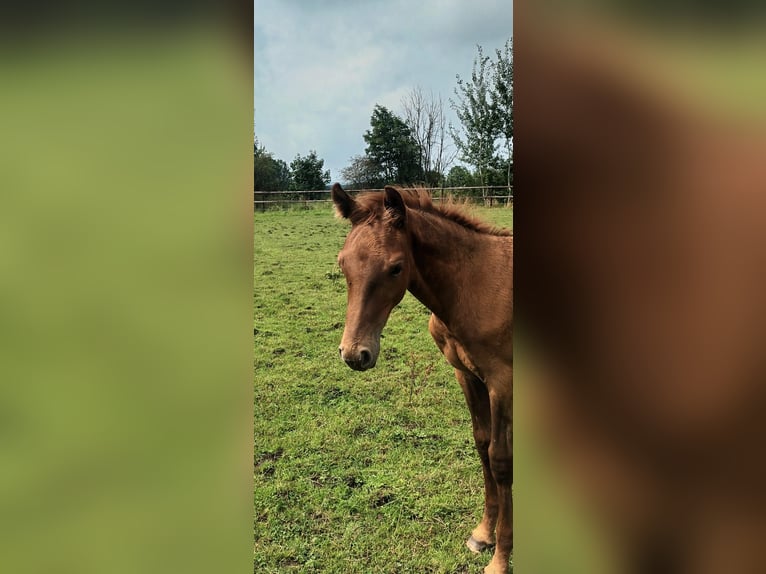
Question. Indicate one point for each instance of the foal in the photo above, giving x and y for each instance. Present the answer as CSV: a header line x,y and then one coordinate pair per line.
x,y
461,269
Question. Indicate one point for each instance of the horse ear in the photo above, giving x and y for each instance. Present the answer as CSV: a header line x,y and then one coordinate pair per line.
x,y
395,206
344,203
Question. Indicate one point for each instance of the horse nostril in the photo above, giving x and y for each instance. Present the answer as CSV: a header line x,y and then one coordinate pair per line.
x,y
366,357
340,352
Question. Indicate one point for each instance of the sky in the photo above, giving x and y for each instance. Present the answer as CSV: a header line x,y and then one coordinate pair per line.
x,y
322,65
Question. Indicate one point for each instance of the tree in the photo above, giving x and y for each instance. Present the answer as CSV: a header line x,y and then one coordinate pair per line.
x,y
362,173
502,96
460,176
308,174
424,115
480,122
391,147
269,174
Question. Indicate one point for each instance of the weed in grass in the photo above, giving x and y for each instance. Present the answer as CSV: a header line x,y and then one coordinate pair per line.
x,y
419,373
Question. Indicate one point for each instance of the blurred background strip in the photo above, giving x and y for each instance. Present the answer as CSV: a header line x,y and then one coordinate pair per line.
x,y
640,198
125,287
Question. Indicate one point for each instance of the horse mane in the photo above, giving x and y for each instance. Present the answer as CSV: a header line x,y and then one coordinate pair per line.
x,y
370,207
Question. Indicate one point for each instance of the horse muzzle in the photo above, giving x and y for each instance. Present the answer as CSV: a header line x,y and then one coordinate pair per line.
x,y
359,358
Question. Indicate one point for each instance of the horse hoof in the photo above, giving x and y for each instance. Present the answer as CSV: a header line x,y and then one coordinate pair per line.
x,y
476,546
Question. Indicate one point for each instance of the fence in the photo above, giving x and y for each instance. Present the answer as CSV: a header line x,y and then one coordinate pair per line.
x,y
491,195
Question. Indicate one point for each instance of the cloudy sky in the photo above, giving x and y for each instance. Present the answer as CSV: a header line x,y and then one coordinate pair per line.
x,y
322,65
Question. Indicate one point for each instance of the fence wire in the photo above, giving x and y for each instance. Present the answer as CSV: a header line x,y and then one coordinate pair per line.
x,y
487,195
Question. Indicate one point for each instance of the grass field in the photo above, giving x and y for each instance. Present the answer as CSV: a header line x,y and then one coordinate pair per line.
x,y
354,472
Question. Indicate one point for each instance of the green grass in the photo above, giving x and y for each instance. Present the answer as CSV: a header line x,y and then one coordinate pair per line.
x,y
354,472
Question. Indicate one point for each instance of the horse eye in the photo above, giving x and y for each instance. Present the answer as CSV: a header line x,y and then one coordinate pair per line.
x,y
396,270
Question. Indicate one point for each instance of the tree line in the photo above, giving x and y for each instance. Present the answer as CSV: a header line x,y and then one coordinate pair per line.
x,y
303,173
417,145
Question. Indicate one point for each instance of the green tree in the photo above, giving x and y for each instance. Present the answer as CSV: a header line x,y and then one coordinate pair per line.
x,y
460,176
481,126
269,174
308,173
391,147
502,96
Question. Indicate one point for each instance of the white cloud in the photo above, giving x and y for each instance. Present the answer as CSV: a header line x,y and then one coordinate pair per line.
x,y
320,67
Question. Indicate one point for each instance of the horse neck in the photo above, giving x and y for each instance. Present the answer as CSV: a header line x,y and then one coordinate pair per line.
x,y
446,256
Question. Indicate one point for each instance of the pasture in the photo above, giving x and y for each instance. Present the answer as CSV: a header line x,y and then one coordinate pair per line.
x,y
354,472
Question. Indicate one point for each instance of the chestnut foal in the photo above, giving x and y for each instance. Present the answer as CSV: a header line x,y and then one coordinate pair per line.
x,y
462,270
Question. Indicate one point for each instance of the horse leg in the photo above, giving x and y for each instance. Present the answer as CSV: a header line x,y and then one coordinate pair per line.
x,y
501,465
477,398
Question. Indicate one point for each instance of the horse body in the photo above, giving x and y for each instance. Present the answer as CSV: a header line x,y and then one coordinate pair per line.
x,y
461,270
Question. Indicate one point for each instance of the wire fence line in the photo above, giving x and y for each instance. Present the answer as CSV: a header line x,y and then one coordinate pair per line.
x,y
490,195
